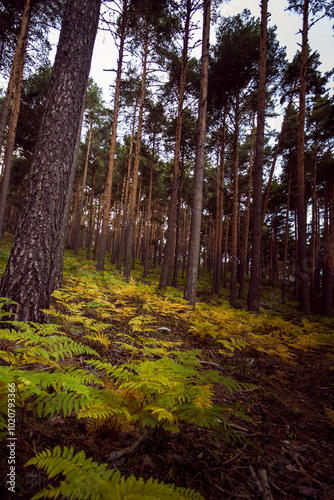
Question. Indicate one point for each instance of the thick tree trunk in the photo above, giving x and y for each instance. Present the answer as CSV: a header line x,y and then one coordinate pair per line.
x,y
31,265
196,210
255,275
302,269
166,270
59,260
107,201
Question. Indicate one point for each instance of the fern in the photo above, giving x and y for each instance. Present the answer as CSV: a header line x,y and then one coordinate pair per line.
x,y
85,479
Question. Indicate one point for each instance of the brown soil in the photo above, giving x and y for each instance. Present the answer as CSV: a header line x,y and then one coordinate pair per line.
x,y
290,441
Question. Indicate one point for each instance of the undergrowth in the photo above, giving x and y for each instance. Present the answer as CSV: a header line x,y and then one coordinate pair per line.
x,y
112,357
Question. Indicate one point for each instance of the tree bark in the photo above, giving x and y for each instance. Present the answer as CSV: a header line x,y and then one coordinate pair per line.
x,y
107,200
133,189
10,143
166,270
217,257
329,257
255,275
196,210
234,236
82,196
302,269
148,216
286,239
19,53
31,265
244,249
123,227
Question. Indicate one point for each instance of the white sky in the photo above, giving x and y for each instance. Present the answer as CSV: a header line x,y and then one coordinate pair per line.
x,y
288,26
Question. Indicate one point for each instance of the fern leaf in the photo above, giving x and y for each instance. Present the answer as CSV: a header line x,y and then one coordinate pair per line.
x,y
85,479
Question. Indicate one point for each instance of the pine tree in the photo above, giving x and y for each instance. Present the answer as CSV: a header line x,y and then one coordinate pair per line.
x,y
29,275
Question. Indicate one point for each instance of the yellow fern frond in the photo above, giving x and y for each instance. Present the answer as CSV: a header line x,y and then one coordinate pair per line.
x,y
204,398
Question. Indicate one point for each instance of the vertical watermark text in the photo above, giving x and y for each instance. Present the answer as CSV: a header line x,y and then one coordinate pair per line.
x,y
11,445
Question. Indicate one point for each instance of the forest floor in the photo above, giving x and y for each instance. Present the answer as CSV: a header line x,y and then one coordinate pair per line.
x,y
279,446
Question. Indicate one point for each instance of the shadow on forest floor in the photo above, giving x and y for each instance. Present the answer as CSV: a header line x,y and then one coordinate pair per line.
x,y
286,453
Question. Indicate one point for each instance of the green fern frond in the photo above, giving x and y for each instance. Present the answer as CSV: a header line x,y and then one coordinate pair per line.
x,y
85,479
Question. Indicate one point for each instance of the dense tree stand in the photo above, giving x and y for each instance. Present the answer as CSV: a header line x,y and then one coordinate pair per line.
x,y
29,275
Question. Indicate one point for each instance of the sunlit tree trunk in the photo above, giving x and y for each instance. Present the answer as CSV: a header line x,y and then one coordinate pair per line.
x,y
33,258
255,274
196,210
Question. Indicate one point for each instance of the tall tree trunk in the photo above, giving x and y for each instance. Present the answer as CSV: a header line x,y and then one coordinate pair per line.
x,y
20,50
302,270
59,260
217,257
133,189
244,248
313,291
278,145
234,238
327,301
82,196
286,240
196,210
31,265
178,228
255,275
10,143
148,216
126,197
107,201
91,217
166,270
227,232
